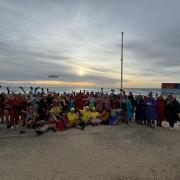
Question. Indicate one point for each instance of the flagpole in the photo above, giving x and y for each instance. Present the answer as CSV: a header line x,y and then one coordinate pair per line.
x,y
122,63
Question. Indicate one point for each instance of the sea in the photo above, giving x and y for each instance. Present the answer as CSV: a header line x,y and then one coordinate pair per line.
x,y
135,91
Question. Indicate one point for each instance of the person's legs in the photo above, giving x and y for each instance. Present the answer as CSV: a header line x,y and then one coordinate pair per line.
x,y
12,118
40,123
23,117
45,128
29,123
124,117
2,116
148,122
96,121
48,127
153,122
6,118
81,124
159,122
171,123
69,125
16,117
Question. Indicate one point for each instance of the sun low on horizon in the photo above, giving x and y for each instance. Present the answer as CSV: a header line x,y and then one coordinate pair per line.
x,y
81,72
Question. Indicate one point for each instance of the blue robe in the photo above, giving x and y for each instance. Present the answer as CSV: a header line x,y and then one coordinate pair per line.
x,y
129,109
126,105
151,108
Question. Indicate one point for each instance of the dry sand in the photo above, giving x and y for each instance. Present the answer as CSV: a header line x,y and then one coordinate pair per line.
x,y
98,153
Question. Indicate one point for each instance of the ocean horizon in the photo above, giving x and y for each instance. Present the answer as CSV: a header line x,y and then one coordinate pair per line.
x,y
61,89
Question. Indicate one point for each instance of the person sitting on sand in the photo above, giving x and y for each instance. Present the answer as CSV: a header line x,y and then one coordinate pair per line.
x,y
104,116
73,120
115,116
30,115
94,117
85,115
55,123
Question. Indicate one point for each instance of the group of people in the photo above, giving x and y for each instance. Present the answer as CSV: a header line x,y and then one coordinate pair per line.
x,y
58,112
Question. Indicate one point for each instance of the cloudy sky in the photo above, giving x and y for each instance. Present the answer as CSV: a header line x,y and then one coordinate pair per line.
x,y
80,41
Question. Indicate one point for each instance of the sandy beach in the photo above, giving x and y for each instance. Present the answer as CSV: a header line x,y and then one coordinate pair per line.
x,y
106,152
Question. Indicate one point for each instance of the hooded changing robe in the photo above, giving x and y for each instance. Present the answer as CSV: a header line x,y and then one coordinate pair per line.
x,y
151,108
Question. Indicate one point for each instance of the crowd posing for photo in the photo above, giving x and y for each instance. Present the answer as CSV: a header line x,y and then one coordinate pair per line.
x,y
58,112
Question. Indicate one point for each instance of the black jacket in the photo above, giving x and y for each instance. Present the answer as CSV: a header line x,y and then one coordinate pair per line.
x,y
171,110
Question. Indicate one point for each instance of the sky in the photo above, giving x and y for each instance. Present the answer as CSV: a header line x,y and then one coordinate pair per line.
x,y
80,41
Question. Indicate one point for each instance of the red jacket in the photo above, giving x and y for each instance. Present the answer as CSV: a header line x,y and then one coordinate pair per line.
x,y
161,108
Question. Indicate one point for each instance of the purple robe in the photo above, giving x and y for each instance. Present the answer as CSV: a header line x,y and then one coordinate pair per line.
x,y
151,108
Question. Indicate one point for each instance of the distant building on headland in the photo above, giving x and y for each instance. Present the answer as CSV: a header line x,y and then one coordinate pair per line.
x,y
171,88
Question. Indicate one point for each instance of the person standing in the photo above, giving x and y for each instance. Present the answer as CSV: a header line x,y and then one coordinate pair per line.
x,y
151,109
160,110
2,100
15,110
133,102
172,110
127,109
140,110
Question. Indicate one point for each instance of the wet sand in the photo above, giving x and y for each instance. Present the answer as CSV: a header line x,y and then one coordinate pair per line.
x,y
98,153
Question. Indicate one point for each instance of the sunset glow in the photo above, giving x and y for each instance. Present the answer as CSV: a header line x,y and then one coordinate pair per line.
x,y
81,73
51,83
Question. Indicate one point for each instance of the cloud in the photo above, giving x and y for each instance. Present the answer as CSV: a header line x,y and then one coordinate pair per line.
x,y
64,37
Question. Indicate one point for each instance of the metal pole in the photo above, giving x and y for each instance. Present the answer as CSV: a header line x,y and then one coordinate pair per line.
x,y
122,63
